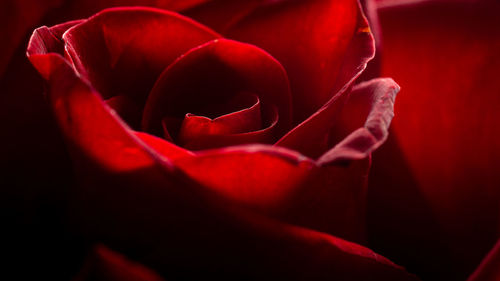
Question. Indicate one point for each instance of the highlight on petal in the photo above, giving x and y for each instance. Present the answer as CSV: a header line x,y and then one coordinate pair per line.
x,y
121,51
286,185
262,177
214,80
323,52
371,103
82,115
342,116
246,119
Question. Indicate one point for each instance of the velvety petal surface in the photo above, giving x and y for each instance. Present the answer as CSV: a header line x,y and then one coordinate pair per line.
x,y
434,194
287,186
327,195
364,121
208,80
121,51
322,52
316,51
136,202
311,137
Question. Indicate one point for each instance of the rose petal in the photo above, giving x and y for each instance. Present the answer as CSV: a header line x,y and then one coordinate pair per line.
x,y
326,195
311,137
287,186
121,51
165,148
265,135
322,52
243,120
137,203
367,114
106,265
85,8
333,123
220,69
434,194
489,269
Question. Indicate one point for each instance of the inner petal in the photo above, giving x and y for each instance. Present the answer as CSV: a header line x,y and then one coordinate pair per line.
x,y
245,120
253,125
206,80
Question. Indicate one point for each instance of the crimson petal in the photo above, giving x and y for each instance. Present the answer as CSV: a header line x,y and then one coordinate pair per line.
x,y
121,51
218,70
366,116
232,129
131,199
322,52
245,120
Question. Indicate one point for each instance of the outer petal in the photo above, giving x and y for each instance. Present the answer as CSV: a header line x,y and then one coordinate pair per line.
x,y
136,202
286,186
311,137
322,52
122,51
435,196
327,195
366,118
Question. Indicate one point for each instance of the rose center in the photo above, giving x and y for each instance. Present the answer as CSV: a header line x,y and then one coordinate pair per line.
x,y
247,122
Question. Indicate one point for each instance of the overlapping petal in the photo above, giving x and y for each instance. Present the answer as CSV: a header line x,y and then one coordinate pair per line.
x,y
320,56
134,200
208,80
122,51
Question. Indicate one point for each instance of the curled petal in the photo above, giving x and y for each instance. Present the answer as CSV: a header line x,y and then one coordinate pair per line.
x,y
121,51
207,76
372,102
244,120
318,126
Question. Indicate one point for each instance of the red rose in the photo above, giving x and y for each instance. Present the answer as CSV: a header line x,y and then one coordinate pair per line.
x,y
191,195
